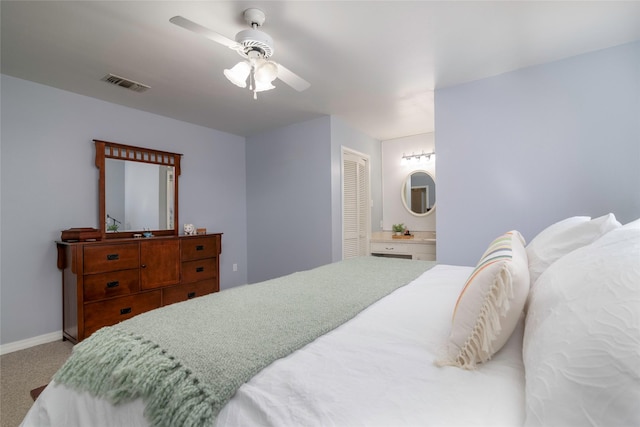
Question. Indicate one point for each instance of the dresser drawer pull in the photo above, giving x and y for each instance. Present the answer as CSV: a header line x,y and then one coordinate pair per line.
x,y
113,284
112,257
199,269
191,295
200,248
126,310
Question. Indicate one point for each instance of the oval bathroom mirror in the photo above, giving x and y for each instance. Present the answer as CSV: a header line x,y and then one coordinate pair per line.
x,y
419,193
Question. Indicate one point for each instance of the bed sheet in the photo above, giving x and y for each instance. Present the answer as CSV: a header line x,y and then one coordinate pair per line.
x,y
375,370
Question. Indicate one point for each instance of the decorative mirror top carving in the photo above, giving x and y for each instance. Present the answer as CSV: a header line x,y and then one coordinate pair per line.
x,y
138,190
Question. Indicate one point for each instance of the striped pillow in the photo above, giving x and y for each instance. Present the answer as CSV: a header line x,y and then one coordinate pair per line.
x,y
490,304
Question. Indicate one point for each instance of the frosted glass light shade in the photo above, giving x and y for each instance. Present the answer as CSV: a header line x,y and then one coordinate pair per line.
x,y
238,74
266,72
262,86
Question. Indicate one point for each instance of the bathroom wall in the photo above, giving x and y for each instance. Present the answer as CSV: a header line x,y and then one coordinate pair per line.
x,y
394,173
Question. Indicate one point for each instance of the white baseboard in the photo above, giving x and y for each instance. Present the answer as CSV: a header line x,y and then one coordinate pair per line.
x,y
30,342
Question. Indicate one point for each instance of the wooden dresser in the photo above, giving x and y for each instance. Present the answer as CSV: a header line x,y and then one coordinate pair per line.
x,y
108,281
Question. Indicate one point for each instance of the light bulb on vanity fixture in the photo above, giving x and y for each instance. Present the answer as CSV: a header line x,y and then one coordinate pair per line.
x,y
414,158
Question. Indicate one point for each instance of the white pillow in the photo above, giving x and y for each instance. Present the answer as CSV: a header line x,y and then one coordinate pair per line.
x,y
565,236
490,303
581,347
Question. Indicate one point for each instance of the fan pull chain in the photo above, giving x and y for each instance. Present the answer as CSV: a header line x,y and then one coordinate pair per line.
x,y
252,82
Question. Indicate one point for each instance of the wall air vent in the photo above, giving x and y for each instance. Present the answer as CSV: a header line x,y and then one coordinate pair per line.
x,y
125,83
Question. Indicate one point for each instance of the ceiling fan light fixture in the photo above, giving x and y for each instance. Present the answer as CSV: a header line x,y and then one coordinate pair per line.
x,y
238,74
266,72
256,47
263,86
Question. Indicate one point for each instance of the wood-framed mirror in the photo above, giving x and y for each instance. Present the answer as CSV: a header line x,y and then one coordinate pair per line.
x,y
138,190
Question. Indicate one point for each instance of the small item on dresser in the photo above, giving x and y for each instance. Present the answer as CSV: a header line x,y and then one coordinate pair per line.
x,y
201,231
137,235
80,234
189,229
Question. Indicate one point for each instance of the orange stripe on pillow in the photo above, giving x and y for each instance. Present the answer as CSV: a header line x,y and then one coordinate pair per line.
x,y
500,249
466,285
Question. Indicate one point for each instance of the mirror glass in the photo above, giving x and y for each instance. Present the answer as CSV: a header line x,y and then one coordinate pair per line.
x,y
419,193
138,196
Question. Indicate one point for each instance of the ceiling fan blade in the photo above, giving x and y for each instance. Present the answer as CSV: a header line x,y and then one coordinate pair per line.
x,y
292,79
203,31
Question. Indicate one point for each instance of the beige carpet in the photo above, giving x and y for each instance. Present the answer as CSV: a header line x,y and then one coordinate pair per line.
x,y
24,370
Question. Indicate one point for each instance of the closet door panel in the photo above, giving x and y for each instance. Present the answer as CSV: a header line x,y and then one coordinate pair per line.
x,y
356,205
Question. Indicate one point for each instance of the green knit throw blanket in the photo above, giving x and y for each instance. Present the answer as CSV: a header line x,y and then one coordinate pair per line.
x,y
186,360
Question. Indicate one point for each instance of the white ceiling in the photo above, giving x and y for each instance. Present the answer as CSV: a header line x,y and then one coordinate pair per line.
x,y
375,64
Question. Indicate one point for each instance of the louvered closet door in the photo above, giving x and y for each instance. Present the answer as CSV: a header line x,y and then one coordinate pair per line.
x,y
355,205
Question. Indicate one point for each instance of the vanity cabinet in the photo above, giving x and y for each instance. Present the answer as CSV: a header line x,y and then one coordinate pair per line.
x,y
420,251
106,282
421,247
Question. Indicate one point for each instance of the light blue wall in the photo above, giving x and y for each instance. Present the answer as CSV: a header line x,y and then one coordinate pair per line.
x,y
294,195
288,199
527,148
49,183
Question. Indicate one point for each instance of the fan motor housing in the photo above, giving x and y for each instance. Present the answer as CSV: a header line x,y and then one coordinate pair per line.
x,y
253,39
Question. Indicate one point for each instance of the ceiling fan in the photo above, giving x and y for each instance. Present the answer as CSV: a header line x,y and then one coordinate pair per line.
x,y
256,47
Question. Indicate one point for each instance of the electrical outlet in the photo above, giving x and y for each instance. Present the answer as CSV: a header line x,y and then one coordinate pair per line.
x,y
235,267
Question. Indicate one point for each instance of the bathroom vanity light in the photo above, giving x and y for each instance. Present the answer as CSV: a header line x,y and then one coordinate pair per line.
x,y
417,158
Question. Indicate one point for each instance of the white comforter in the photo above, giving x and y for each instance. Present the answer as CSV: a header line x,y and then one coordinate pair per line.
x,y
375,370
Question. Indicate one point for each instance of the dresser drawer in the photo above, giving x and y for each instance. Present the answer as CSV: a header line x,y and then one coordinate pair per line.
x,y
103,258
112,311
179,293
195,271
199,247
385,248
112,284
420,250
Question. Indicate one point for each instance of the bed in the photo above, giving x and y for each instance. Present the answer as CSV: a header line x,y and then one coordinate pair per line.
x,y
544,333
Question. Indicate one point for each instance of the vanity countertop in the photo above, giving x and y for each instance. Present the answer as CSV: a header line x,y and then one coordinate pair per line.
x,y
420,237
